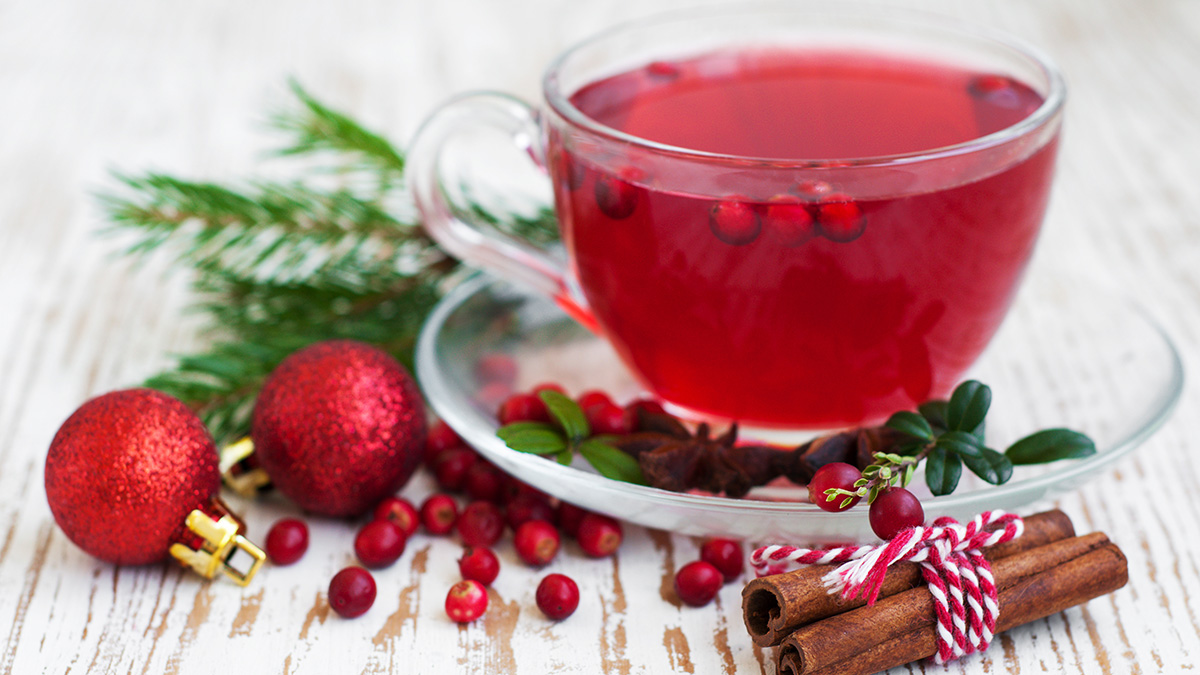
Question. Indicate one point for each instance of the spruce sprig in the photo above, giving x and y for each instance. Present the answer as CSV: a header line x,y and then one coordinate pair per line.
x,y
278,265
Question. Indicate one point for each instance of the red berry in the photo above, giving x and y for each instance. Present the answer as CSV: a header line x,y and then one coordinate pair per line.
x,y
895,509
813,189
438,514
536,542
450,468
379,543
484,481
492,394
725,555
352,592
515,489
557,596
638,407
523,408
840,218
480,524
593,398
570,517
608,419
697,583
788,221
599,536
287,541
479,563
549,386
664,70
496,368
400,512
466,601
525,508
440,437
734,222
835,475
615,196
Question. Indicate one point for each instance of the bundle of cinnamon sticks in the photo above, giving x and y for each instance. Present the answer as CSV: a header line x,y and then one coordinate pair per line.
x,y
1044,571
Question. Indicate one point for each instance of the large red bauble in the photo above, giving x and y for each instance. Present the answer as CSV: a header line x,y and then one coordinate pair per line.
x,y
338,426
125,470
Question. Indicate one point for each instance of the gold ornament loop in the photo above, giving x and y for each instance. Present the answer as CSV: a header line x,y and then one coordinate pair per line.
x,y
221,542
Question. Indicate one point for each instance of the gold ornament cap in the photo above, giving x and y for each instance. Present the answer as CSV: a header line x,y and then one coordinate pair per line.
x,y
218,540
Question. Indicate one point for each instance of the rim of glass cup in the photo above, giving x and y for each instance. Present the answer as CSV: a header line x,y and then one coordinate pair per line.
x,y
1053,102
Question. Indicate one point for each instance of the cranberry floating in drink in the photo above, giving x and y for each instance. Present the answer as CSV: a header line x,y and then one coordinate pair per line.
x,y
795,216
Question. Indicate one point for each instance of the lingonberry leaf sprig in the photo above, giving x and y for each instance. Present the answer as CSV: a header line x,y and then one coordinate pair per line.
x,y
948,435
569,434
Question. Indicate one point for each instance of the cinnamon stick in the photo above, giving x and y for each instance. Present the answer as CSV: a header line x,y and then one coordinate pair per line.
x,y
775,606
902,628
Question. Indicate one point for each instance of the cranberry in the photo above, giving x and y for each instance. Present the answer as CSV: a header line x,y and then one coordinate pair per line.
x,y
616,197
549,386
438,513
496,368
480,524
351,592
838,475
400,512
663,70
570,517
379,543
523,408
895,509
484,481
450,468
557,596
536,542
515,489
734,222
479,563
608,419
813,189
525,508
635,409
697,583
788,221
725,555
440,438
599,536
593,398
287,541
492,395
466,601
840,218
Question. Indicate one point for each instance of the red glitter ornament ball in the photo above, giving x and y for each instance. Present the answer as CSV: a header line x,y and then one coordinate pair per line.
x,y
125,470
338,426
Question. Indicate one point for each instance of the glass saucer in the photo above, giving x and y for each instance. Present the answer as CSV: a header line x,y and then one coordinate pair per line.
x,y
1069,354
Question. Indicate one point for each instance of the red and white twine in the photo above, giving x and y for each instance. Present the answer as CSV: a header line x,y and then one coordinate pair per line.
x,y
959,578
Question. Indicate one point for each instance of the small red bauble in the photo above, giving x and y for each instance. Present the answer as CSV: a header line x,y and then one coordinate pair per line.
x,y
480,524
725,555
537,542
893,510
466,601
557,596
599,536
400,512
835,475
697,583
479,563
352,592
287,540
338,426
379,543
438,514
132,476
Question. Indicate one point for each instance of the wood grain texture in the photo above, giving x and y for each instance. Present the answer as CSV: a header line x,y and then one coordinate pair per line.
x,y
88,87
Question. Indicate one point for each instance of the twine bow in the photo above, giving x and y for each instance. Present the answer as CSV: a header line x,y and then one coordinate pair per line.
x,y
959,577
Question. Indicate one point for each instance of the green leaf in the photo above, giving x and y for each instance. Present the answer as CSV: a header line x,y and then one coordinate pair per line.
x,y
531,437
565,457
910,423
567,413
990,465
942,471
935,413
611,462
960,443
1050,445
968,406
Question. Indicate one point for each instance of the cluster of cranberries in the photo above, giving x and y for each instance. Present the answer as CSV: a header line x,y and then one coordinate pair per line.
x,y
698,582
788,219
893,510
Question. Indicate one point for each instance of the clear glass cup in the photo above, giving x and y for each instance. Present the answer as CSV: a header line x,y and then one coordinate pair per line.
x,y
779,289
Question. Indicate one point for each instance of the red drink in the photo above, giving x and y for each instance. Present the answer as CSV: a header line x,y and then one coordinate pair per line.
x,y
833,297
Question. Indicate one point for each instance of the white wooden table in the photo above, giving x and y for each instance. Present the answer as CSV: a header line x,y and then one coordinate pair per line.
x,y
134,85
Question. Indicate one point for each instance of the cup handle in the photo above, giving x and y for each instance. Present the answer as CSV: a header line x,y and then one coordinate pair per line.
x,y
467,237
